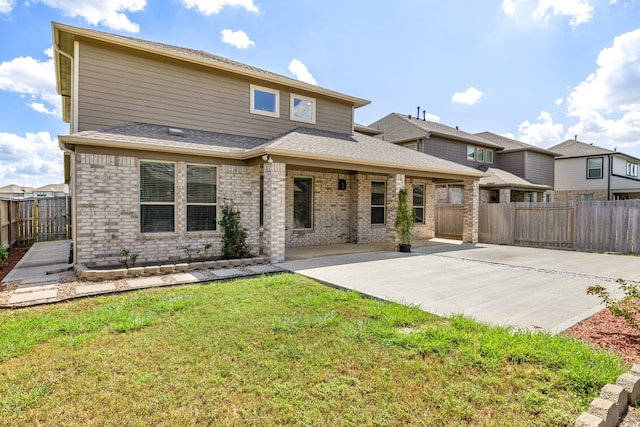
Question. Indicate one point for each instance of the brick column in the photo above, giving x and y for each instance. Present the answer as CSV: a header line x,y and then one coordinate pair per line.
x,y
274,211
471,204
394,183
505,195
430,209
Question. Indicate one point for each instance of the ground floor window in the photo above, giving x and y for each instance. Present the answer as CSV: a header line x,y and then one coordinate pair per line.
x,y
418,203
377,202
302,203
157,197
586,197
201,198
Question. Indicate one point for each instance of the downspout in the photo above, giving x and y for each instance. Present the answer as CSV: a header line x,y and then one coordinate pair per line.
x,y
609,177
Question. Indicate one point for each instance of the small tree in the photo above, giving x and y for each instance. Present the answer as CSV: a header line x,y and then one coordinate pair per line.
x,y
405,218
234,238
625,307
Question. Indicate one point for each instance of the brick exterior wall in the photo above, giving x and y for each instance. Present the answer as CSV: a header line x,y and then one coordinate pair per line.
x,y
471,202
568,195
427,230
274,210
394,184
107,211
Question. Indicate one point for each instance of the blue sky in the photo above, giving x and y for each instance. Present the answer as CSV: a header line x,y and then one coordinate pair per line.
x,y
540,71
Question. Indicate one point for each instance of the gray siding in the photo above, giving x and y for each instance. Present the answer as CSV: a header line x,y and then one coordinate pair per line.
x,y
539,168
513,162
449,149
117,87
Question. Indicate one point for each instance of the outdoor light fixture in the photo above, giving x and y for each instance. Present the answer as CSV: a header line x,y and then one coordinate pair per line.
x,y
267,158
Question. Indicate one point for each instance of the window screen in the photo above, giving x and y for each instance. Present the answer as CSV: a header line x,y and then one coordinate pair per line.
x,y
157,197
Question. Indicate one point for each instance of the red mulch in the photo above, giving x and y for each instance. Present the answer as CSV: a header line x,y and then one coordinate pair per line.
x,y
603,329
15,255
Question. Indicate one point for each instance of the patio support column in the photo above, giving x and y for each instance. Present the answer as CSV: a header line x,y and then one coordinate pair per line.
x,y
471,205
395,182
505,195
274,210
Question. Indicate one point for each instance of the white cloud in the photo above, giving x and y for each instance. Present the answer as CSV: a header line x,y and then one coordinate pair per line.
x,y
543,133
6,6
213,7
579,11
468,97
509,6
558,102
34,79
432,117
301,72
238,39
33,160
607,102
109,13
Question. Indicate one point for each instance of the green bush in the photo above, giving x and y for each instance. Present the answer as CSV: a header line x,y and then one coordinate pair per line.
x,y
234,239
4,253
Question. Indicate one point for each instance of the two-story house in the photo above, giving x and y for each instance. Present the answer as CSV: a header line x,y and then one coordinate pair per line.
x,y
162,136
588,172
452,144
13,191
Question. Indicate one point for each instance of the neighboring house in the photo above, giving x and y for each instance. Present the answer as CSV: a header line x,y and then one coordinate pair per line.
x,y
52,190
13,191
161,137
442,141
588,172
533,165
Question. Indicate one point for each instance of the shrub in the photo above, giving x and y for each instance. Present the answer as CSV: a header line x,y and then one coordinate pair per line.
x,y
4,253
234,239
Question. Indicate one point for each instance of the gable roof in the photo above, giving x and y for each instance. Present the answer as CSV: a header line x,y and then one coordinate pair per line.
x,y
401,128
55,188
65,35
301,145
575,148
15,189
512,145
501,178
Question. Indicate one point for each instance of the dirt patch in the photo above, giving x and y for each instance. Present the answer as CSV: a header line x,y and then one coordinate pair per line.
x,y
15,255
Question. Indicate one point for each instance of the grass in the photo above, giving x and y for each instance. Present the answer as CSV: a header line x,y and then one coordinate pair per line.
x,y
283,350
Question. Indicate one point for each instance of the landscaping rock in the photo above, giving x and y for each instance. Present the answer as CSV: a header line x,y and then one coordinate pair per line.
x,y
607,410
589,420
616,393
631,383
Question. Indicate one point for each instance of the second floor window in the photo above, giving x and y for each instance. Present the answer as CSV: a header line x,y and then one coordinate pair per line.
x,y
594,168
303,109
632,169
265,101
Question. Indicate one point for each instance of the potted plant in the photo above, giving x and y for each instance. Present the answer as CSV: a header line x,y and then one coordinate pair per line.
x,y
405,219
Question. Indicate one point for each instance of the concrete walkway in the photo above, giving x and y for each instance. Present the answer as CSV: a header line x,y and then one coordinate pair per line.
x,y
505,285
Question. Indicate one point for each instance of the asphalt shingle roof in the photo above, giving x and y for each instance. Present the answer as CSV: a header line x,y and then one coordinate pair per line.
x,y
573,148
304,143
422,128
510,144
502,178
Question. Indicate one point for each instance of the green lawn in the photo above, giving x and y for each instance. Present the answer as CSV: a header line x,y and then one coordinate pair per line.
x,y
282,350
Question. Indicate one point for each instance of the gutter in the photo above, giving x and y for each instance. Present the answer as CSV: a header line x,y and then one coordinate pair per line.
x,y
609,176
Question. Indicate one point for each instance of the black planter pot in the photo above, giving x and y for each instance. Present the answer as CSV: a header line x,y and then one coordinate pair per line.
x,y
404,248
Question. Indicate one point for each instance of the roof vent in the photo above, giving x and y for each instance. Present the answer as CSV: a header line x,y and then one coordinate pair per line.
x,y
176,132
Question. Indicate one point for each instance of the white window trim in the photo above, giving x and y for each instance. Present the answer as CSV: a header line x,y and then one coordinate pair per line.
x,y
252,89
490,152
186,202
601,168
632,169
174,203
293,97
471,157
311,201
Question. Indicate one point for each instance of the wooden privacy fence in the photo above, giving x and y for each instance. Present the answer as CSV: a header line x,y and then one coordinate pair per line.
x,y
23,222
449,221
594,226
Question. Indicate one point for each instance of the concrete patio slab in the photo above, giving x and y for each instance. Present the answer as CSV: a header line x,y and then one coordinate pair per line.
x,y
260,269
523,287
227,272
188,277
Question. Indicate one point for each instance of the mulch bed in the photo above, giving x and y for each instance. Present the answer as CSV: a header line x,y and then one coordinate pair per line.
x,y
15,255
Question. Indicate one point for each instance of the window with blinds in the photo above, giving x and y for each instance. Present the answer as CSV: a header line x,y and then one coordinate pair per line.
x,y
418,203
157,197
201,198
